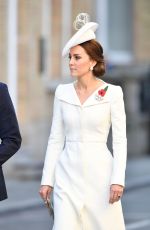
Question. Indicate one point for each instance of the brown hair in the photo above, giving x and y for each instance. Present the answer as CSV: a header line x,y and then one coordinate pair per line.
x,y
95,52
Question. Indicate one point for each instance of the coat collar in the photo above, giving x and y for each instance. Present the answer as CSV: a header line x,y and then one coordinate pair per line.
x,y
67,93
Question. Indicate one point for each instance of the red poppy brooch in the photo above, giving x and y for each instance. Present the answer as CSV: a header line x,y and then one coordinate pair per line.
x,y
101,93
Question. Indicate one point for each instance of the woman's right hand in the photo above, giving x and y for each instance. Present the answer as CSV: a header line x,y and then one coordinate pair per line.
x,y
45,193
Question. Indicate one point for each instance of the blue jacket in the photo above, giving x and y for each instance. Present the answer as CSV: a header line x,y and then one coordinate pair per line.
x,y
9,133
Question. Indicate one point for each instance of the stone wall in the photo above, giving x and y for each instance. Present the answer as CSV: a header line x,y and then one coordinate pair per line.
x,y
142,30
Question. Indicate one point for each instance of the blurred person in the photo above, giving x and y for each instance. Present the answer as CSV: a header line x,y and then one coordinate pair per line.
x,y
86,180
9,134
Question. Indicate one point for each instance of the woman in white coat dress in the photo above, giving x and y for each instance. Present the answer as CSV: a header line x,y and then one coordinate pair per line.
x,y
86,179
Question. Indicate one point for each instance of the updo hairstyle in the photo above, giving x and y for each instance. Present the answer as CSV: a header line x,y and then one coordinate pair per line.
x,y
95,52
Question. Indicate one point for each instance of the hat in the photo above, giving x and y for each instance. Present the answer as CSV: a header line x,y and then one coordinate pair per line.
x,y
85,32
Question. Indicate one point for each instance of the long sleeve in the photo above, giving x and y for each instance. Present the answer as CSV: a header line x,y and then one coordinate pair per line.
x,y
55,144
118,119
9,129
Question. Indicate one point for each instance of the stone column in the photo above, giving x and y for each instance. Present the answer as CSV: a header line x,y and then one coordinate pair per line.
x,y
65,33
12,49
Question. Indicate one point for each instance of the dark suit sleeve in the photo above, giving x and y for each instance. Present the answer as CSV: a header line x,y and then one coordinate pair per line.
x,y
9,129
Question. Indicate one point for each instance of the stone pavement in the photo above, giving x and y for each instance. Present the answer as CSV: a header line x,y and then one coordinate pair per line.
x,y
138,172
23,194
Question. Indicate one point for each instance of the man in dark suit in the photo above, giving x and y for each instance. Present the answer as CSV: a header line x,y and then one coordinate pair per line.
x,y
10,138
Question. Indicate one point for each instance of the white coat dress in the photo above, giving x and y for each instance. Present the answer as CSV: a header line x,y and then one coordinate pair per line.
x,y
78,163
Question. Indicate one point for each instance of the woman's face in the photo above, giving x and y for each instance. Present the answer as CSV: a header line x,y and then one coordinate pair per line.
x,y
80,62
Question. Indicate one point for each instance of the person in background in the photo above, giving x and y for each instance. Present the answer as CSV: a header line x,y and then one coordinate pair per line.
x,y
9,134
86,179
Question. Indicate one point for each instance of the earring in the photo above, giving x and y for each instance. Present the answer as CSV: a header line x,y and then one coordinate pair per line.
x,y
91,68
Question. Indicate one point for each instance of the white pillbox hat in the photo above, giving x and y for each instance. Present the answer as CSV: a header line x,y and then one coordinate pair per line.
x,y
85,33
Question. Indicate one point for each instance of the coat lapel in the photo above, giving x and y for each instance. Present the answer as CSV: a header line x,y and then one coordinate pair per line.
x,y
68,94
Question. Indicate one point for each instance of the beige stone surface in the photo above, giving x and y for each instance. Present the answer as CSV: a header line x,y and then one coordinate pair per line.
x,y
142,30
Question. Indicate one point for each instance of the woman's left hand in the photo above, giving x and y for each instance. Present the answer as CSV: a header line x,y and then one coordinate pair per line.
x,y
116,192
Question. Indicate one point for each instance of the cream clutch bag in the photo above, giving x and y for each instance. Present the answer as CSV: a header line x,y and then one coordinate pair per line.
x,y
50,207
